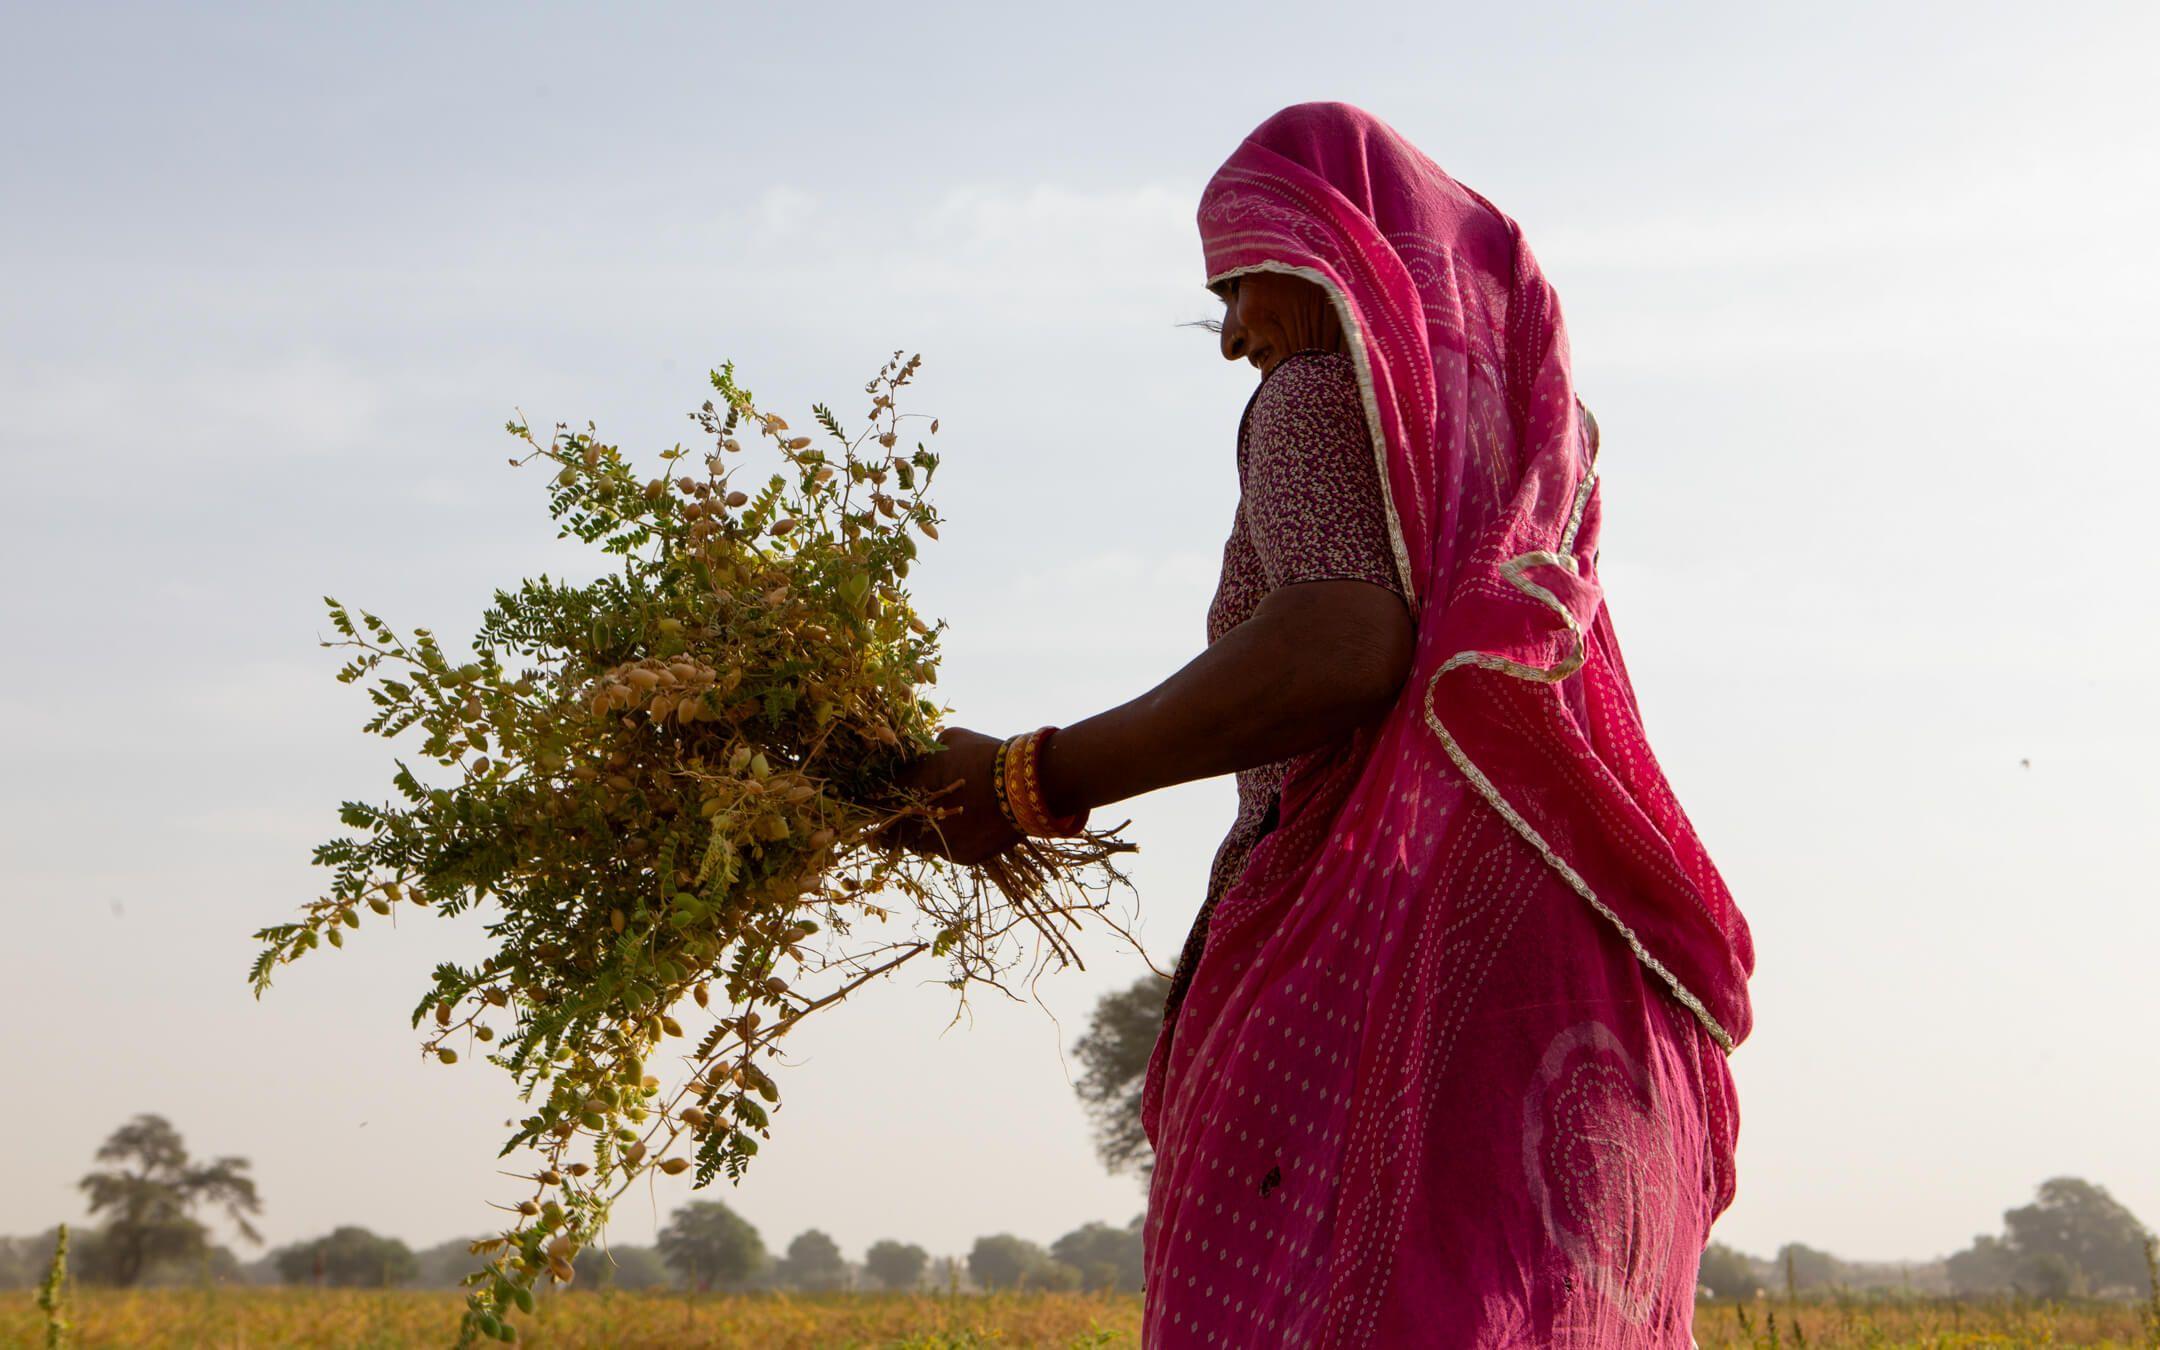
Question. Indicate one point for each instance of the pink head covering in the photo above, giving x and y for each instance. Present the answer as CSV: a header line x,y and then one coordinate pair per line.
x,y
1488,462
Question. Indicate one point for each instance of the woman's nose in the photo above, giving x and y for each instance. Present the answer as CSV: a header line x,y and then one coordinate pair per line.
x,y
1233,338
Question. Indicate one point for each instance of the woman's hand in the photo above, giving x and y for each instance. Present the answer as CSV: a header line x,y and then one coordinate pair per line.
x,y
956,782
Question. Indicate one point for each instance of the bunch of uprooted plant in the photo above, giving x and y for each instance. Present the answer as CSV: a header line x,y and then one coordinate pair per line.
x,y
672,792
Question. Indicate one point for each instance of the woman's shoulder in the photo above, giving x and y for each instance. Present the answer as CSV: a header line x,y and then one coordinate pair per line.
x,y
1314,366
1308,391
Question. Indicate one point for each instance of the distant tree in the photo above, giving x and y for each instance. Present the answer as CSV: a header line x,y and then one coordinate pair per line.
x,y
1105,1257
1989,1266
813,1262
706,1243
1806,1268
1052,1275
2050,1275
149,1194
896,1265
1113,1055
1727,1273
212,1263
2075,1237
620,1267
19,1261
14,1269
951,1273
1002,1261
349,1257
1008,1262
445,1263
261,1270
24,1261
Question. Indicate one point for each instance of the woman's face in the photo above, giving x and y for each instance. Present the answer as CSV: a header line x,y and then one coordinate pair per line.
x,y
1268,315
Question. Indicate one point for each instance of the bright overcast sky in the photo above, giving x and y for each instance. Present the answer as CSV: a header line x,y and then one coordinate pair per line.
x,y
1863,296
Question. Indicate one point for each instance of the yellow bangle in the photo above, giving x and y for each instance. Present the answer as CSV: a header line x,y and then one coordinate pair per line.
x,y
1001,782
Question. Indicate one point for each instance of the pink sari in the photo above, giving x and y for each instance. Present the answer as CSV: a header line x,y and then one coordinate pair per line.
x,y
1450,1068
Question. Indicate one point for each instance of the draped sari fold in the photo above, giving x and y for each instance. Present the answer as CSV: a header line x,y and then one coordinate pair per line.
x,y
1450,1066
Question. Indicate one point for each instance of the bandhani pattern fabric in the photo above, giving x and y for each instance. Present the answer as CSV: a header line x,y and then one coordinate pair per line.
x,y
1448,1066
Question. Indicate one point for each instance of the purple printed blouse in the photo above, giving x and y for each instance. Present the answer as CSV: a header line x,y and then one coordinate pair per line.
x,y
1309,509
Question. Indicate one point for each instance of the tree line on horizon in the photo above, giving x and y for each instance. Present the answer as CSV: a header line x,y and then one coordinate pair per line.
x,y
2074,1240
148,1234
705,1247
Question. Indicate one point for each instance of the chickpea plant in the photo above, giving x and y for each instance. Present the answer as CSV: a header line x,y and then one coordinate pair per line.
x,y
673,807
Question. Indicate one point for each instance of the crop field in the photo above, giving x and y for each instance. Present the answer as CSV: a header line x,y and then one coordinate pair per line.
x,y
227,1319
1921,1324
234,1318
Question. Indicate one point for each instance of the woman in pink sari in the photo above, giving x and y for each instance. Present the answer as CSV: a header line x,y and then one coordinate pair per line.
x,y
1443,1063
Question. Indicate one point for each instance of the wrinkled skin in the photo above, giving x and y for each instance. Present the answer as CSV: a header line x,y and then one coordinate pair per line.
x,y
1269,315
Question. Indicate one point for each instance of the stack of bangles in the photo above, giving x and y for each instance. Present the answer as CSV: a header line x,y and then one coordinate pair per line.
x,y
1018,780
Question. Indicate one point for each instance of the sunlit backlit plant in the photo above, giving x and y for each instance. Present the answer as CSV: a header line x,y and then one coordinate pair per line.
x,y
668,786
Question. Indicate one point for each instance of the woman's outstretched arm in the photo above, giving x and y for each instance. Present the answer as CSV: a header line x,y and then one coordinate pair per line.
x,y
1316,659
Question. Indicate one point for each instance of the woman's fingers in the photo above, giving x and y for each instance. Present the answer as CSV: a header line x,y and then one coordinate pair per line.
x,y
958,817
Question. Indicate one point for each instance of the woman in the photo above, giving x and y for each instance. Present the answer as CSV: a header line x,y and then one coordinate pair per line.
x,y
1443,1062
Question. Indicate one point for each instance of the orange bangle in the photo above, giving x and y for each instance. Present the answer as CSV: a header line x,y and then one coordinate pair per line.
x,y
1016,804
1024,791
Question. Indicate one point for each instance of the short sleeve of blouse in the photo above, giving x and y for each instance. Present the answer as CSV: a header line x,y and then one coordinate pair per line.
x,y
1312,502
